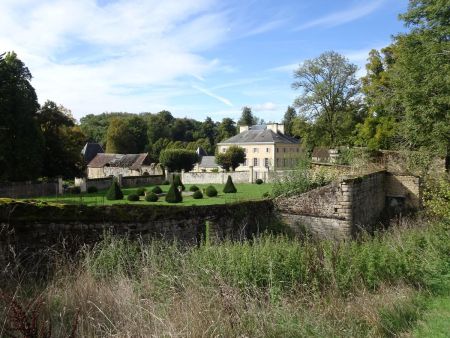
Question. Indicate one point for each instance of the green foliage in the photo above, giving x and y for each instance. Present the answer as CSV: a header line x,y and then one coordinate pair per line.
x,y
229,187
227,128
437,196
197,195
210,191
231,158
174,195
259,181
288,120
165,182
92,189
157,190
75,190
21,141
114,192
133,197
178,159
119,139
140,191
178,183
247,118
151,197
193,188
330,95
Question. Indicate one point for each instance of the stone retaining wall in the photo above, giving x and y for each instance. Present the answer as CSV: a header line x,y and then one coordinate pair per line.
x,y
30,189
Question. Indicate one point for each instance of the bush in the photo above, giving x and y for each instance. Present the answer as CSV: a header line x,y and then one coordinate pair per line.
x,y
173,195
178,159
140,191
92,190
75,190
114,192
165,182
133,197
259,181
197,195
194,188
157,190
151,197
178,183
210,191
229,186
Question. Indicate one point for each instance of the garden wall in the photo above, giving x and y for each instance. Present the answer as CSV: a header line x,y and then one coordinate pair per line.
x,y
215,178
31,228
124,181
340,210
30,189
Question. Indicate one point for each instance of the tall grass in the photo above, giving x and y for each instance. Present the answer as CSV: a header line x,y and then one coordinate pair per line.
x,y
271,286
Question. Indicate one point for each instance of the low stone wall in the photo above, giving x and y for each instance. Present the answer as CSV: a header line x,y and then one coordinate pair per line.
x,y
124,181
30,189
137,181
28,228
215,178
342,209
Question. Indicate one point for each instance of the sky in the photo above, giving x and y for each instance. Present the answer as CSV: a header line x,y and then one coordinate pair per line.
x,y
195,58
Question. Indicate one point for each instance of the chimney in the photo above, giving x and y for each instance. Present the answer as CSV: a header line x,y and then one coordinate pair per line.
x,y
243,128
276,128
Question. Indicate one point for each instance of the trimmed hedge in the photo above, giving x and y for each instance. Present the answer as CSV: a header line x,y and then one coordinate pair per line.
x,y
197,195
140,191
114,192
157,190
210,191
259,181
193,188
173,195
229,187
133,197
178,183
92,189
151,197
165,182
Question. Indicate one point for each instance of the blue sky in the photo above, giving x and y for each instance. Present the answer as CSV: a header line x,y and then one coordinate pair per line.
x,y
196,58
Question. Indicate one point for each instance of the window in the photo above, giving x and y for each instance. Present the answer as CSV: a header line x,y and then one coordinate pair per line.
x,y
224,150
277,150
266,162
285,162
284,150
245,162
278,162
245,150
267,150
255,150
255,162
298,150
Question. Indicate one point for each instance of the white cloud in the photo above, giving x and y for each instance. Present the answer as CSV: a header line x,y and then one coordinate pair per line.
x,y
267,106
215,96
341,17
289,68
115,57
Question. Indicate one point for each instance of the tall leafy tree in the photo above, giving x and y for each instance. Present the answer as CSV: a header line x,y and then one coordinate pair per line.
x,y
63,141
247,118
226,129
119,139
232,158
330,94
288,120
21,142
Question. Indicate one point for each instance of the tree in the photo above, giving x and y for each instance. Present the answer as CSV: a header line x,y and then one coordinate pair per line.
x,y
63,141
229,187
118,139
288,120
178,159
247,118
21,141
330,92
226,129
174,195
231,158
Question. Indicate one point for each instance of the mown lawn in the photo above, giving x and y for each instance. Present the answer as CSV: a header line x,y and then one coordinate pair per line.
x,y
245,192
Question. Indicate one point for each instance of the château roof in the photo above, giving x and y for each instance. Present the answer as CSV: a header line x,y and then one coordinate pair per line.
x,y
132,161
259,135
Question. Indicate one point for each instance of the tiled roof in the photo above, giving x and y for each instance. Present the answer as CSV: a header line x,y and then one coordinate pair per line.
x,y
90,150
261,136
132,161
208,162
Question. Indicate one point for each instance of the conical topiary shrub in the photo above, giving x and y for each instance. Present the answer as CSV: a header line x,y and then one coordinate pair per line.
x,y
173,195
178,183
229,187
114,192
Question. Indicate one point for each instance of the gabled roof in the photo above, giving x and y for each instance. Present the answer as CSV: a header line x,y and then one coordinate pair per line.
x,y
90,150
260,136
208,162
132,161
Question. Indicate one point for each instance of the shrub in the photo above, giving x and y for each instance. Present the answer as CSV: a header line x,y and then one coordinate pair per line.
x,y
92,190
173,195
151,197
229,186
178,159
197,195
259,181
133,197
140,191
178,183
193,188
114,192
266,194
210,191
157,190
165,182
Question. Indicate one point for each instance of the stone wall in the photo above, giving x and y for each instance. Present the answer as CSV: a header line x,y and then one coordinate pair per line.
x,y
125,182
28,229
30,189
406,187
342,209
215,178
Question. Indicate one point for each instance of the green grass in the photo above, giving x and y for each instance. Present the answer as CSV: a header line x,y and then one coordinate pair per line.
x,y
245,192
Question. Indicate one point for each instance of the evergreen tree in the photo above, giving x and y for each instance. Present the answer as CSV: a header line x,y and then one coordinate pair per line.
x,y
288,120
247,118
229,186
174,195
114,192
